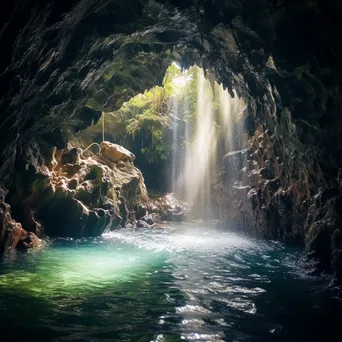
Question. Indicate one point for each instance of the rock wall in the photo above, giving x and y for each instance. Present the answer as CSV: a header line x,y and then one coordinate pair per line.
x,y
12,233
67,194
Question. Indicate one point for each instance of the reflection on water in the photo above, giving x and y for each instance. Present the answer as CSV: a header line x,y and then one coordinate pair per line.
x,y
181,283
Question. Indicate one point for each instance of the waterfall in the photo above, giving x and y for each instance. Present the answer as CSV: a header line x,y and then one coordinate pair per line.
x,y
200,160
180,135
200,144
231,111
176,153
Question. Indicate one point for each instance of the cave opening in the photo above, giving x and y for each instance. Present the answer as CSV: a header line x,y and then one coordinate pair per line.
x,y
180,133
108,107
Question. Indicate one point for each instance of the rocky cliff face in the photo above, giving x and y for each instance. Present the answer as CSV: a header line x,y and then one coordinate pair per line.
x,y
71,195
283,57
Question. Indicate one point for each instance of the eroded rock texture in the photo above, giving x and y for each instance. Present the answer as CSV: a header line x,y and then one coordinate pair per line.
x,y
283,57
71,195
12,233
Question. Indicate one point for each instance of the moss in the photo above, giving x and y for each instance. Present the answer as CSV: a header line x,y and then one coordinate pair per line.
x,y
95,173
85,194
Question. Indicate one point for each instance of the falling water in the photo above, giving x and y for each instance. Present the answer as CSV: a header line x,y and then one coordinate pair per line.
x,y
200,158
231,111
176,153
194,166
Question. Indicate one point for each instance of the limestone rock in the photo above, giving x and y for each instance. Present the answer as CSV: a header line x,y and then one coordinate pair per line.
x,y
177,214
13,235
28,240
141,212
71,157
323,230
149,219
79,196
115,153
142,224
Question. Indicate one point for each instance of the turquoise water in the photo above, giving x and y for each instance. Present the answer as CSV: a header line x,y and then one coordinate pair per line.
x,y
184,283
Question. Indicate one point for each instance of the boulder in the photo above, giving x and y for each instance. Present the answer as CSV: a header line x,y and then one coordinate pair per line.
x,y
74,196
141,212
27,241
88,197
148,219
64,215
176,215
142,224
115,153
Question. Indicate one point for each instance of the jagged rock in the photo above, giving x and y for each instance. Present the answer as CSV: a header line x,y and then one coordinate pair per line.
x,y
71,157
148,219
28,240
323,230
80,196
55,139
123,210
73,183
64,215
176,214
266,173
115,153
87,117
141,212
142,224
13,235
233,162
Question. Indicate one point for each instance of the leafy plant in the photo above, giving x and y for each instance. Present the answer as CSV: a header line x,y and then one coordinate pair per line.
x,y
146,119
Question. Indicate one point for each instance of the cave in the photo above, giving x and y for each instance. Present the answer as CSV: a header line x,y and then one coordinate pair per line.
x,y
94,243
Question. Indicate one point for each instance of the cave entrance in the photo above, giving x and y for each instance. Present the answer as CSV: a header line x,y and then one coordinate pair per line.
x,y
180,133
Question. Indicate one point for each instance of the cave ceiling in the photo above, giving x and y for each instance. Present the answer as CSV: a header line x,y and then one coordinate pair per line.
x,y
59,57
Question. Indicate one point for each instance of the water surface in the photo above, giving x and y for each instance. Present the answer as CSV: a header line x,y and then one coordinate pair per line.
x,y
184,283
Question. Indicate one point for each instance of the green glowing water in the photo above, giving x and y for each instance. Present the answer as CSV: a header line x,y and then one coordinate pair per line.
x,y
182,283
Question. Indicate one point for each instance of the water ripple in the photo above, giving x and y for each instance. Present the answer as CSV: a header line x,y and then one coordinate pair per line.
x,y
184,283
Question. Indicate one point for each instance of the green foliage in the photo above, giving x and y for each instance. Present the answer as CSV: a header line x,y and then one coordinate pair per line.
x,y
184,86
155,126
148,116
172,73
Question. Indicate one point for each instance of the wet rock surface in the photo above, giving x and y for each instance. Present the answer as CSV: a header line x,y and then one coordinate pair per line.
x,y
78,196
13,236
63,64
115,153
323,226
